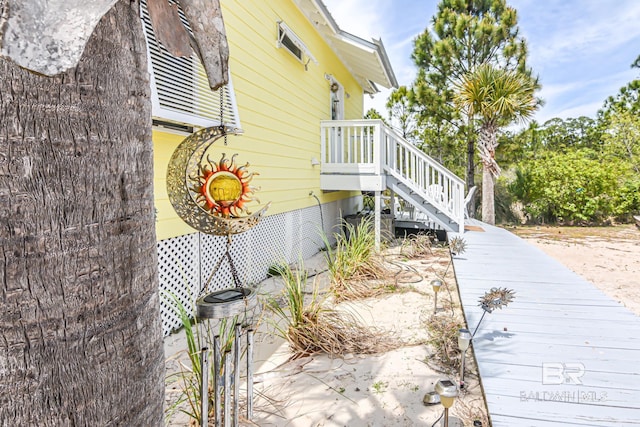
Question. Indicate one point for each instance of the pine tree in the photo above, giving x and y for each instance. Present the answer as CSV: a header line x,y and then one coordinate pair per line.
x,y
463,35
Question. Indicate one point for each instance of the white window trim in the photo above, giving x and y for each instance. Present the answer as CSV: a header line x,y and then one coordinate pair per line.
x,y
284,28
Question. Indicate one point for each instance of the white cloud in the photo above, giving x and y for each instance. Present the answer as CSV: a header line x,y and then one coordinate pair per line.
x,y
570,30
358,17
581,49
378,101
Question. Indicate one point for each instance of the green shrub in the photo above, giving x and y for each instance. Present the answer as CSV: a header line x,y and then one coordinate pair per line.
x,y
575,186
504,200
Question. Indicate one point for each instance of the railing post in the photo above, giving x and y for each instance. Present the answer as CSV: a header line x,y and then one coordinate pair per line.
x,y
461,196
323,147
389,151
377,219
377,148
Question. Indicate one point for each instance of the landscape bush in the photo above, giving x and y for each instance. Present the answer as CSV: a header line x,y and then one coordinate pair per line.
x,y
576,186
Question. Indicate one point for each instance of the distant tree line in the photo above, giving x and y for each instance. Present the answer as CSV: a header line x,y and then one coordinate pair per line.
x,y
576,170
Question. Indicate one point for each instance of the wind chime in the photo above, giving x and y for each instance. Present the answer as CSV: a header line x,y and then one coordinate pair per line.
x,y
211,196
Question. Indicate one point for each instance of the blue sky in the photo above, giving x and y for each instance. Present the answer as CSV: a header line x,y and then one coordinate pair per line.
x,y
582,50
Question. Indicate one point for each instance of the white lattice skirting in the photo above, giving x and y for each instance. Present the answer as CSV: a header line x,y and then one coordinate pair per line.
x,y
186,262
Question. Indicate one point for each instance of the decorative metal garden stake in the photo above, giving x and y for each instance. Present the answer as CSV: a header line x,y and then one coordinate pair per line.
x,y
494,299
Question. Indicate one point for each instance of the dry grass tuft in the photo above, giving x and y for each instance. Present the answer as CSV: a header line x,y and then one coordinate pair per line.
x,y
357,289
443,337
311,327
337,334
419,246
357,271
471,411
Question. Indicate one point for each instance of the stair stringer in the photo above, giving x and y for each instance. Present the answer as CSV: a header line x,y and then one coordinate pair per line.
x,y
420,202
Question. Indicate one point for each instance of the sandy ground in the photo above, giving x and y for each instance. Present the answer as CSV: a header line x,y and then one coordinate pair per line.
x,y
608,257
385,389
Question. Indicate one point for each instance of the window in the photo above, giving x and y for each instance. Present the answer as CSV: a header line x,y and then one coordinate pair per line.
x,y
292,43
180,91
287,43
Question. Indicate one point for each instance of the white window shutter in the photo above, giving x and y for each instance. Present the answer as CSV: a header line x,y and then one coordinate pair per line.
x,y
180,90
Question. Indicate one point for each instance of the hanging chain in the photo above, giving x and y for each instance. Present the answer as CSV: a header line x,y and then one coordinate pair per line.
x,y
234,272
222,128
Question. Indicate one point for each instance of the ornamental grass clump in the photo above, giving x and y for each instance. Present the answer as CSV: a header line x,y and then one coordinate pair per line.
x,y
418,246
443,338
311,326
354,261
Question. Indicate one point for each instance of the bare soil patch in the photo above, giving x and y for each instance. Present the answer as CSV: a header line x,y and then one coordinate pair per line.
x,y
384,389
608,257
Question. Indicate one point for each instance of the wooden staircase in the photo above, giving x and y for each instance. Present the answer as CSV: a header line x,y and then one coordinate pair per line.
x,y
367,155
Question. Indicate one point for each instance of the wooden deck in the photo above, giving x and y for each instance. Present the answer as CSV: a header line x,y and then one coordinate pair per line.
x,y
562,353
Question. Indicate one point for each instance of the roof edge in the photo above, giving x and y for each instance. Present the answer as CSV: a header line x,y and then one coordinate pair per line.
x,y
374,45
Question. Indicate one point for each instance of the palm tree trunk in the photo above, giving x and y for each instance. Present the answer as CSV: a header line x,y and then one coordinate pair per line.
x,y
488,201
487,143
80,336
471,163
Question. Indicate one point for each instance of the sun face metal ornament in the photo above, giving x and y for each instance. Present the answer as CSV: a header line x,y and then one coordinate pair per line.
x,y
210,196
223,187
496,298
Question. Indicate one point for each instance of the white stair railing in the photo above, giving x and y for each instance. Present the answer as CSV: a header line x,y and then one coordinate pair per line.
x,y
371,147
424,176
351,146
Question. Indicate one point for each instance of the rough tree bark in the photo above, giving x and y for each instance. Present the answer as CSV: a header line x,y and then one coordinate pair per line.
x,y
488,201
80,336
487,144
471,173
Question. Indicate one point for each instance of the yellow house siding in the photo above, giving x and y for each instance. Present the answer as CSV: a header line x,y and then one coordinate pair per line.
x,y
280,107
168,224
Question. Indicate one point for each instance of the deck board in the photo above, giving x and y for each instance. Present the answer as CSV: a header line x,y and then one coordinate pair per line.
x,y
557,317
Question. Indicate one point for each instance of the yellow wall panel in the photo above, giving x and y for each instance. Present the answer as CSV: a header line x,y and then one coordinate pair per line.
x,y
280,105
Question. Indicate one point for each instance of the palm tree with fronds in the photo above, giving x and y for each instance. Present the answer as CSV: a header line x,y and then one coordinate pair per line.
x,y
497,98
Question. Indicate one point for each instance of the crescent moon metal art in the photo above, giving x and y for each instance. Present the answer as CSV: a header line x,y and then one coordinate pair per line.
x,y
185,167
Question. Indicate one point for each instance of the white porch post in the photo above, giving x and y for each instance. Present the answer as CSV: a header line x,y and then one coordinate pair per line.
x,y
377,218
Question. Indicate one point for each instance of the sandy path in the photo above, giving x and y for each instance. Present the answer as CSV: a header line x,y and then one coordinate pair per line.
x,y
608,257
